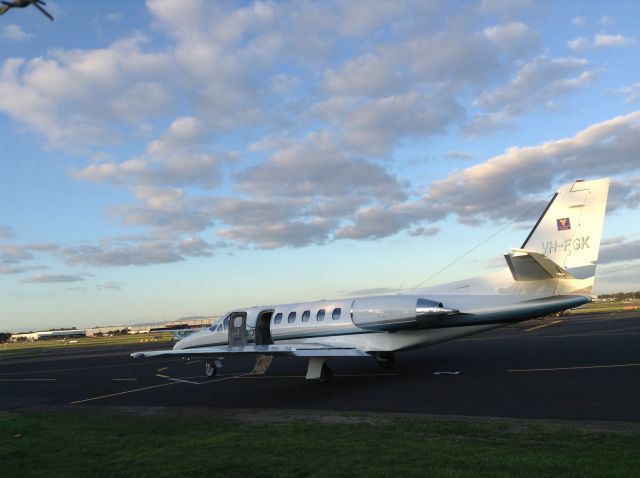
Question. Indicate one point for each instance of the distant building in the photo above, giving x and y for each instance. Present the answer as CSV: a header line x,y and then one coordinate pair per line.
x,y
47,335
146,328
114,330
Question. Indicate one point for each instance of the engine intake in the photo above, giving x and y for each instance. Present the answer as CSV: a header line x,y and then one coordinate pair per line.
x,y
397,312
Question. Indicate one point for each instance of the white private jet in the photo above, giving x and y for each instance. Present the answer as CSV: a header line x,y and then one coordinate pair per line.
x,y
553,270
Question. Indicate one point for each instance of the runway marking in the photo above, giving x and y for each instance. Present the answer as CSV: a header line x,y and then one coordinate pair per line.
x,y
77,368
543,325
182,380
259,376
191,362
124,379
528,337
161,369
28,379
166,384
586,367
162,376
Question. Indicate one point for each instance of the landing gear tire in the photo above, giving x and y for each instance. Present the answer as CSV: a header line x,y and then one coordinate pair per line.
x,y
210,369
386,359
326,375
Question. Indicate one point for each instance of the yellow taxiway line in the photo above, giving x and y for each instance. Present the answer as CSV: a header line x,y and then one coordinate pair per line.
x,y
166,384
586,367
543,325
32,372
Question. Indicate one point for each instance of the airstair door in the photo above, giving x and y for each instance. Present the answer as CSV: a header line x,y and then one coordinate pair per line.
x,y
238,329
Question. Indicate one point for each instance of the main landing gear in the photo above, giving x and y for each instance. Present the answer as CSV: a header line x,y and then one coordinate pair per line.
x,y
326,375
211,368
385,359
319,370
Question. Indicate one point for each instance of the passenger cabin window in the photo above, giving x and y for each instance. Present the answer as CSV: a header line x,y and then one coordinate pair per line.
x,y
320,315
336,313
278,318
226,323
292,318
305,316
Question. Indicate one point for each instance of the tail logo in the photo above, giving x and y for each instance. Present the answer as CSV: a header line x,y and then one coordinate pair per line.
x,y
563,224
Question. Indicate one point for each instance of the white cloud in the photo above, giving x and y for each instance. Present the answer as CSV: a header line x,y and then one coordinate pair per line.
x,y
114,17
82,96
377,222
276,235
315,88
611,40
599,41
579,43
195,247
175,159
607,21
377,126
508,184
142,254
15,33
457,56
361,17
516,39
6,269
539,82
459,155
632,92
7,233
318,166
580,21
619,249
618,277
370,75
508,8
53,278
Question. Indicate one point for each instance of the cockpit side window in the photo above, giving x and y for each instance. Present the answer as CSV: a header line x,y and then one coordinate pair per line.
x,y
226,323
219,328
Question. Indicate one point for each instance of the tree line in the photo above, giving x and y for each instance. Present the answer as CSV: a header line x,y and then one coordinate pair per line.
x,y
621,295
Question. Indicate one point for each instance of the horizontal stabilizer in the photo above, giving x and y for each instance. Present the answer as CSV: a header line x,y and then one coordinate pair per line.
x,y
529,265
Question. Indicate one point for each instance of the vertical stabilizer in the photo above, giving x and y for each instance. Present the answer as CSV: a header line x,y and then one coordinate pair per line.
x,y
569,232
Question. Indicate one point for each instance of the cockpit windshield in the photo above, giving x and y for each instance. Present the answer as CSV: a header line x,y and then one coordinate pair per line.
x,y
215,326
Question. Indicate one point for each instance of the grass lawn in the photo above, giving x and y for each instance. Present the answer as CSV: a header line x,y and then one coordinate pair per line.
x,y
39,444
608,307
53,344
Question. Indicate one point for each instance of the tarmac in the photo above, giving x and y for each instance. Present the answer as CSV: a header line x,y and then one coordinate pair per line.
x,y
583,367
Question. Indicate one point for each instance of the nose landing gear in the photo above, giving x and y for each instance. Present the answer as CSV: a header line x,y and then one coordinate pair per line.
x,y
385,360
211,368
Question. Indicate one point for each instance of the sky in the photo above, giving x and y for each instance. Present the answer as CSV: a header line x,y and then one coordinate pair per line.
x,y
173,158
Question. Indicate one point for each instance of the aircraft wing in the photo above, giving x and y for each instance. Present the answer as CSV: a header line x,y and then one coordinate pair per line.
x,y
291,350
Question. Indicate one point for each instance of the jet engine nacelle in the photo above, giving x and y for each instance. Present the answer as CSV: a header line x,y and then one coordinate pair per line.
x,y
397,312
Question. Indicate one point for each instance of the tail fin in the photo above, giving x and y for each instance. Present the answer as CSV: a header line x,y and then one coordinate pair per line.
x,y
569,232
